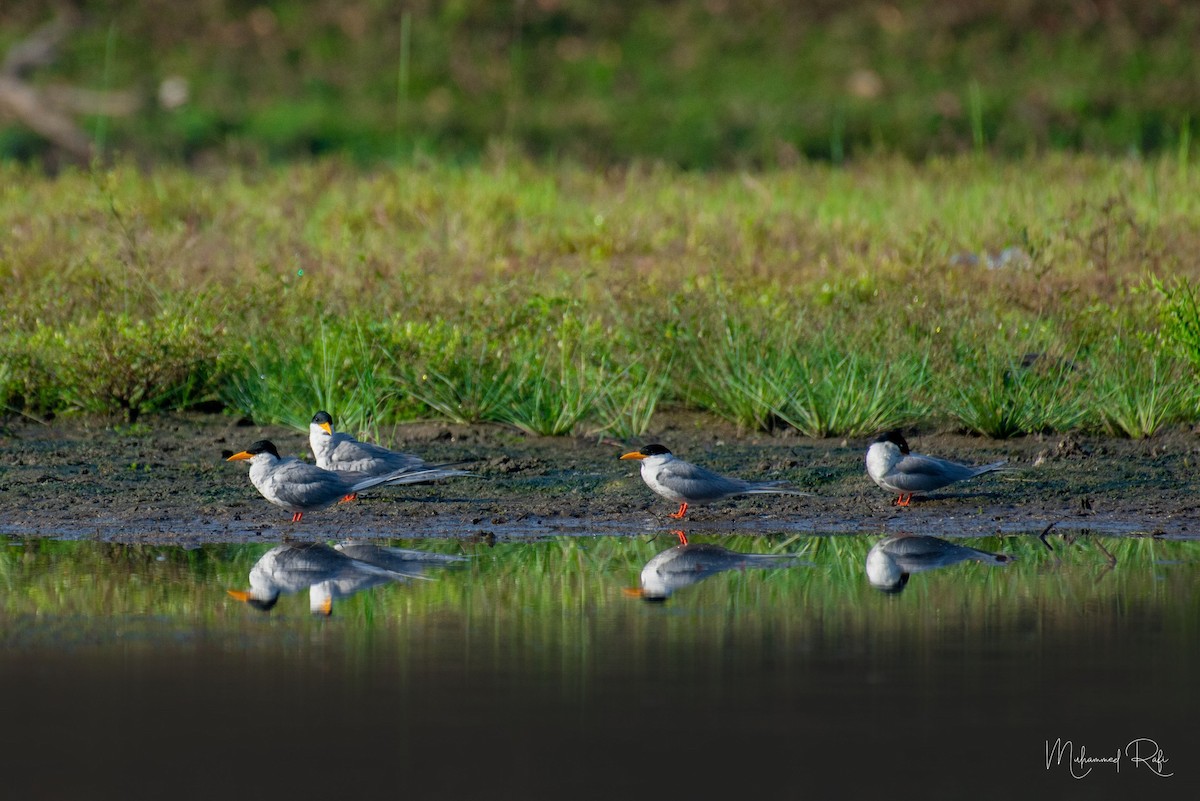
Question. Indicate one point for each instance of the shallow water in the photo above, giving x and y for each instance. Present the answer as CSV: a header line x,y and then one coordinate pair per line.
x,y
530,671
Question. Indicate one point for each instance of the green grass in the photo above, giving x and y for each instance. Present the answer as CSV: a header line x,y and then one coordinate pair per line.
x,y
1143,387
1003,395
762,372
558,300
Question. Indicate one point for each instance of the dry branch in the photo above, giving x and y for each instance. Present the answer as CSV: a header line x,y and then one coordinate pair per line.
x,y
47,112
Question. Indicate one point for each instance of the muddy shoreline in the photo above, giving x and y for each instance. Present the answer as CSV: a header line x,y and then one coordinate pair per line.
x,y
166,481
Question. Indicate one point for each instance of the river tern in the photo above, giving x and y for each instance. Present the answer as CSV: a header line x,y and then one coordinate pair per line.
x,y
686,564
326,573
891,560
687,484
891,465
300,487
339,451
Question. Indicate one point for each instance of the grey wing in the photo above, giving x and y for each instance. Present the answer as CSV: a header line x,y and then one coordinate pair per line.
x,y
394,558
919,473
916,553
299,484
301,564
698,484
363,457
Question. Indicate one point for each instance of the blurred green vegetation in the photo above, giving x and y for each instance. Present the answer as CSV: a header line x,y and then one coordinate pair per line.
x,y
693,84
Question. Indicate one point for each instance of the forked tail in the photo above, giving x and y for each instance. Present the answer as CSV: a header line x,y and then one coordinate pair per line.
x,y
773,488
994,467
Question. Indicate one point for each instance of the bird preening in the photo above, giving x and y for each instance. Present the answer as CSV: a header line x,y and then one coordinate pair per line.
x,y
893,559
894,467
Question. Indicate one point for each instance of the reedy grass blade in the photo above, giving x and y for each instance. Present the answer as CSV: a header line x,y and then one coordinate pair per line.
x,y
1140,389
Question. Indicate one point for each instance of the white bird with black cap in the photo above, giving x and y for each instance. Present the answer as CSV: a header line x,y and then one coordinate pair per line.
x,y
690,485
336,450
300,487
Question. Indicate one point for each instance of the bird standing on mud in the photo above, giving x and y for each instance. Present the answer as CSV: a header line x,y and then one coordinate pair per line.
x,y
891,465
687,484
300,487
336,450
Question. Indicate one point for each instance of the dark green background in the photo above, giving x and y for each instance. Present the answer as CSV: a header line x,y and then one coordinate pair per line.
x,y
696,84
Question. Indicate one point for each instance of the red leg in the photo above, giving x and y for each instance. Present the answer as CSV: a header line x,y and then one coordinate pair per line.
x,y
296,517
682,537
904,500
349,498
679,515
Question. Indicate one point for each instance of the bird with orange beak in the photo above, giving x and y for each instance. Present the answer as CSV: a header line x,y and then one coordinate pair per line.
x,y
325,572
300,487
690,485
337,450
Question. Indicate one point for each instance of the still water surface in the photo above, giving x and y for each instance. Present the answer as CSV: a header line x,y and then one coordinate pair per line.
x,y
537,670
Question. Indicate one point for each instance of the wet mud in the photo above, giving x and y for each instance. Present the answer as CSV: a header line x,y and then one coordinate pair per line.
x,y
166,480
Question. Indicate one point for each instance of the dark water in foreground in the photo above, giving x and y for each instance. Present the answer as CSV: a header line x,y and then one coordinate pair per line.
x,y
529,671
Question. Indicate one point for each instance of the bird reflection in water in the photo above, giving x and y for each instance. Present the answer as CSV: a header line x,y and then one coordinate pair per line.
x,y
892,560
331,573
688,563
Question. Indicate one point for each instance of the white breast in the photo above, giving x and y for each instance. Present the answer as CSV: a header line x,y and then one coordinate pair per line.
x,y
650,468
881,458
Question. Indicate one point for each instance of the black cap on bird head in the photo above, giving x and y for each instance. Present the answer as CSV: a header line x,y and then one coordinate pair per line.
x,y
894,437
649,450
322,417
262,446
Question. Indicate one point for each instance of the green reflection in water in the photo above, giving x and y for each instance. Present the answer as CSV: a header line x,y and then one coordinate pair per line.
x,y
553,591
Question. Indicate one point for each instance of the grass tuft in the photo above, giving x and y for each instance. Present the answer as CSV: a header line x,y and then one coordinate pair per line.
x,y
1141,388
835,395
1002,396
117,363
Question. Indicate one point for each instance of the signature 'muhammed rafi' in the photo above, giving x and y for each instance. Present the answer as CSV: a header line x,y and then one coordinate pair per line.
x,y
897,469
688,484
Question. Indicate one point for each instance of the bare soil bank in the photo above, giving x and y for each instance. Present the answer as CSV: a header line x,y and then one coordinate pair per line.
x,y
167,481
